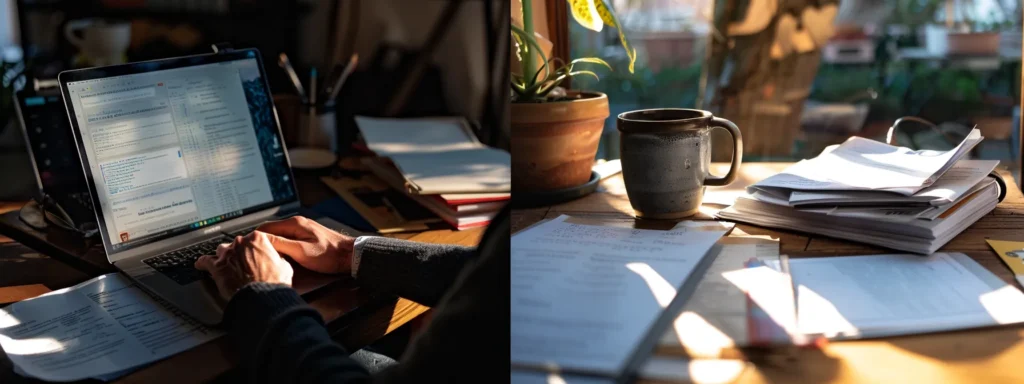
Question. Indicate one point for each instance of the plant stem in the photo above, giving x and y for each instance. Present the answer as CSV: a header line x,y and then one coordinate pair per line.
x,y
528,64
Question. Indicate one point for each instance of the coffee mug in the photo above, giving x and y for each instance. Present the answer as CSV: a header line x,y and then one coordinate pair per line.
x,y
102,42
666,154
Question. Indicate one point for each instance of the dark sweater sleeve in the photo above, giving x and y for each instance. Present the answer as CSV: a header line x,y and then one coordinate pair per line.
x,y
420,272
281,339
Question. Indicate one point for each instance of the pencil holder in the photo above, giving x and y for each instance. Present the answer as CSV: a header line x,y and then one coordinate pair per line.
x,y
317,127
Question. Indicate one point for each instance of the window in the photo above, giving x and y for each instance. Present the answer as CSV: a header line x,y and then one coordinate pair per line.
x,y
797,79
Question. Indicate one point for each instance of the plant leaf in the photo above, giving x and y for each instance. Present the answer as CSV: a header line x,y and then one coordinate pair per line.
x,y
584,73
586,14
592,60
608,17
530,41
521,47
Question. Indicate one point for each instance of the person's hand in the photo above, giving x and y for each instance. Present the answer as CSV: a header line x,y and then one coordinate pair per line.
x,y
310,244
246,260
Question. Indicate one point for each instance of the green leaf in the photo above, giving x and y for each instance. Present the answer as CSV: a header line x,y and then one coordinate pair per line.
x,y
531,42
587,14
577,73
553,60
609,18
592,60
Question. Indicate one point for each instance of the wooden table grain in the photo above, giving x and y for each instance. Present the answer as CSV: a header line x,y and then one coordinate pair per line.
x,y
984,355
355,318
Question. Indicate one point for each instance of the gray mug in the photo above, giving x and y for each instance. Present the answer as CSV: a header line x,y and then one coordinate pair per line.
x,y
666,153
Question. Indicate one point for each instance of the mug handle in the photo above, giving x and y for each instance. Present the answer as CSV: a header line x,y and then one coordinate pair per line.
x,y
737,152
74,26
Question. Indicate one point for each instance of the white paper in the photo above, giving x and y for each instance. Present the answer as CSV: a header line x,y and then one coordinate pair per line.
x,y
518,376
963,176
101,327
477,170
715,317
583,296
920,236
859,296
863,164
438,155
433,134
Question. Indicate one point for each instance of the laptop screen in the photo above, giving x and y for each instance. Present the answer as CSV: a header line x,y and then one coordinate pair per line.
x,y
174,150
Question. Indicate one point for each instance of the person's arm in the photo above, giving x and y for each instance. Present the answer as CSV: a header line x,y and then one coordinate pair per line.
x,y
283,340
420,272
279,337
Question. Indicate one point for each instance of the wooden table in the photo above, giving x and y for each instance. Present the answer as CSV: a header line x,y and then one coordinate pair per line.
x,y
355,317
977,356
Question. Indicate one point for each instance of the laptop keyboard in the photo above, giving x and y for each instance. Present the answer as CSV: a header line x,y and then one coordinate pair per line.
x,y
179,265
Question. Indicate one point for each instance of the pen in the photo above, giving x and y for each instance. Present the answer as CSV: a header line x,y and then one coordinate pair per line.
x,y
351,66
287,65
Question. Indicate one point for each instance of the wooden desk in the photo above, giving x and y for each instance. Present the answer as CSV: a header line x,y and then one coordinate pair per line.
x,y
977,356
355,318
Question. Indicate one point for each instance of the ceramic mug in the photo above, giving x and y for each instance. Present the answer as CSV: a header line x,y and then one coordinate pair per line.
x,y
666,154
101,42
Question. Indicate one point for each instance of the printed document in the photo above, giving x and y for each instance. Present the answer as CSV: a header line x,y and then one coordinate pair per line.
x,y
715,318
883,295
863,164
585,296
100,327
964,175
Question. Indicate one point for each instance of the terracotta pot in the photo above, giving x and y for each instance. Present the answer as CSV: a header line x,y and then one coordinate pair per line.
x,y
553,144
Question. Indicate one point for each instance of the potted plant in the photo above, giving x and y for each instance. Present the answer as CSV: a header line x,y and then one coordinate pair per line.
x,y
555,133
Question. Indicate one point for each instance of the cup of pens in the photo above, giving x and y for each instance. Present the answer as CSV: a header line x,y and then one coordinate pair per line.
x,y
316,133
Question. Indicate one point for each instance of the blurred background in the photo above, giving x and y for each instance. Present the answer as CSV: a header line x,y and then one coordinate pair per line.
x,y
416,58
799,75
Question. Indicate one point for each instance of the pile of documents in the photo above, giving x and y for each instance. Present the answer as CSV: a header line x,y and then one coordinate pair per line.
x,y
875,193
439,163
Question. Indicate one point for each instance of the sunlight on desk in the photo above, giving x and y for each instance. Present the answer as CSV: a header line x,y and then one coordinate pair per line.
x,y
1001,305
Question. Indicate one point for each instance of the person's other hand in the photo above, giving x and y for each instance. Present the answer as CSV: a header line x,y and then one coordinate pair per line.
x,y
310,244
247,260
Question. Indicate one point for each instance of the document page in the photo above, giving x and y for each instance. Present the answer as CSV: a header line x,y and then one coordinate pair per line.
x,y
438,155
715,317
863,164
963,176
103,326
878,295
478,169
583,296
387,137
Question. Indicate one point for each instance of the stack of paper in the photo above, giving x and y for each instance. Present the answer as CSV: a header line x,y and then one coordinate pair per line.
x,y
585,298
440,164
875,193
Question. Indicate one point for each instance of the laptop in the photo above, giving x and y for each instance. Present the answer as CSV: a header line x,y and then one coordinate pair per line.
x,y
179,156
51,148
